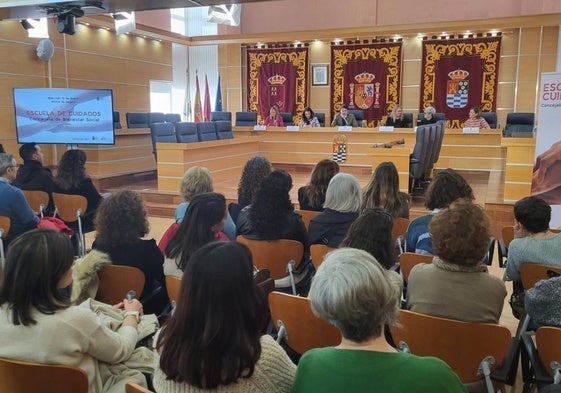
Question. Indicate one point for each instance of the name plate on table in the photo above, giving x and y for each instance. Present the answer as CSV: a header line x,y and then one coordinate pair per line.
x,y
344,128
470,130
259,128
292,128
386,129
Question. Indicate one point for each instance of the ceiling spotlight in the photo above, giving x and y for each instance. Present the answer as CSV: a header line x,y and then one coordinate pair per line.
x,y
124,22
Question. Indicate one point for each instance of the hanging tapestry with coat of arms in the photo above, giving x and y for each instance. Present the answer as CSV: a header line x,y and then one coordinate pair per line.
x,y
459,75
366,77
276,77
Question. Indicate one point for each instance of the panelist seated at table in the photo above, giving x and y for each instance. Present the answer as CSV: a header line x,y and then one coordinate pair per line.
x,y
428,116
308,119
397,120
475,119
274,119
344,118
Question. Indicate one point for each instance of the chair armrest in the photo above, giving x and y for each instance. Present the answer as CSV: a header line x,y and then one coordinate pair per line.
x,y
506,372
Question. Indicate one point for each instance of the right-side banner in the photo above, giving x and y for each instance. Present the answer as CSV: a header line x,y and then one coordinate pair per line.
x,y
546,178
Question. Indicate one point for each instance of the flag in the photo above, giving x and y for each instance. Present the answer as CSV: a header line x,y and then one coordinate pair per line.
x,y
197,112
187,105
218,103
206,104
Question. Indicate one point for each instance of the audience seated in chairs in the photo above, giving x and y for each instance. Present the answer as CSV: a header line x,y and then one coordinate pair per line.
x,y
447,186
195,181
32,175
383,191
533,242
341,208
121,222
224,349
457,284
312,195
39,324
14,205
254,171
203,223
71,179
372,232
357,295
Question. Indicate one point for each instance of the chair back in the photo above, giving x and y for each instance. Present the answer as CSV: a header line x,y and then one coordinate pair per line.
x,y
321,118
307,216
490,118
462,345
358,114
67,206
287,118
246,118
421,152
132,387
399,228
519,124
439,138
531,273
137,120
223,129
274,254
172,117
116,120
5,224
547,343
206,131
408,260
37,199
173,283
304,330
318,252
216,116
156,117
186,132
116,280
407,119
162,132
28,377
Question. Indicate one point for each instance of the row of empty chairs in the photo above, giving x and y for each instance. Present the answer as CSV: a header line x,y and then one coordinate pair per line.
x,y
145,119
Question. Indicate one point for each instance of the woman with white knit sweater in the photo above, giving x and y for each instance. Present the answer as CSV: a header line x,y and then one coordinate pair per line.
x,y
214,340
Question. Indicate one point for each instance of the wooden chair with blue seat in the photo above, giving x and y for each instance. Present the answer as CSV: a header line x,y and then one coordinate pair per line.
x,y
479,353
30,377
297,326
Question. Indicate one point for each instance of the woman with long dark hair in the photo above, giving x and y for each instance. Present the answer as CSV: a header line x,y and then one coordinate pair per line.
x,y
383,191
213,340
204,219
312,195
39,324
71,178
254,170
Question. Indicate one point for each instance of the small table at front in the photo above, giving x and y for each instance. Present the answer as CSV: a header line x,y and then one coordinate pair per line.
x,y
399,155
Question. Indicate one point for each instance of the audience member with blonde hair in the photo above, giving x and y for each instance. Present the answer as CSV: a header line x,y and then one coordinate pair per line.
x,y
383,191
341,207
195,181
353,292
274,119
457,284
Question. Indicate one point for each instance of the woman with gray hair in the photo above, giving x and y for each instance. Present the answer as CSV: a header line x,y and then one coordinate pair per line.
x,y
357,295
341,207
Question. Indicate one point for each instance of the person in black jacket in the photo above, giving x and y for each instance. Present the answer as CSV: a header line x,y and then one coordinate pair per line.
x,y
32,175
341,207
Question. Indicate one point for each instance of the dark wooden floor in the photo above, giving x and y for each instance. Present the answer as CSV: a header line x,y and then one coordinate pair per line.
x,y
487,187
